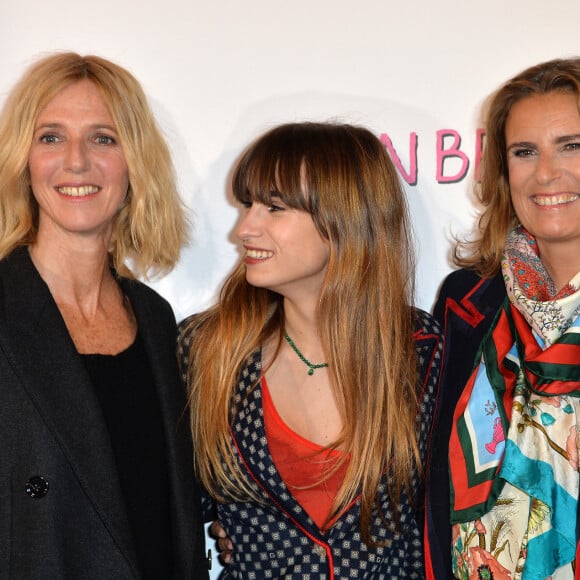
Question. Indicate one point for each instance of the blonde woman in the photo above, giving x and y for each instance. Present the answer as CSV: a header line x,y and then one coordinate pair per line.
x,y
312,381
95,476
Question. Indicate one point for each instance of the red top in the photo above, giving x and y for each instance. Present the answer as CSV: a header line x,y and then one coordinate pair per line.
x,y
302,464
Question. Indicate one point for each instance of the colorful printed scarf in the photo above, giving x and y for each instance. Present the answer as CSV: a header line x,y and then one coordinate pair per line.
x,y
514,443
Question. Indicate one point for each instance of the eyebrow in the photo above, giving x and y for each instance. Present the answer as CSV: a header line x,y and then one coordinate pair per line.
x,y
566,138
531,145
524,144
96,127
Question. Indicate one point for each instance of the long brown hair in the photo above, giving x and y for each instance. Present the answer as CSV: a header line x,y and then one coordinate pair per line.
x,y
151,227
498,217
343,176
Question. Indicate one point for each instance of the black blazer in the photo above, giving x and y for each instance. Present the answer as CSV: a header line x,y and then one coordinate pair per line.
x,y
62,513
465,308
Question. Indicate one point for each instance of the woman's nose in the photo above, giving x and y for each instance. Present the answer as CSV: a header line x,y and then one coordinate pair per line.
x,y
250,223
76,156
547,168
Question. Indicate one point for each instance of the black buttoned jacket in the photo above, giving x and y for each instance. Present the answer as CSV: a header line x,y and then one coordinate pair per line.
x,y
62,513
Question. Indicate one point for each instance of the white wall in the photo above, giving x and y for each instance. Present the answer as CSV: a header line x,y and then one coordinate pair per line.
x,y
219,72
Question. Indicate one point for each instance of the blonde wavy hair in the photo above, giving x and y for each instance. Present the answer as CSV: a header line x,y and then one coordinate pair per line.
x,y
483,254
151,227
343,176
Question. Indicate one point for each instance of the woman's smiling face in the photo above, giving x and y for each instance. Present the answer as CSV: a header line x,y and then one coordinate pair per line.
x,y
543,151
284,250
78,172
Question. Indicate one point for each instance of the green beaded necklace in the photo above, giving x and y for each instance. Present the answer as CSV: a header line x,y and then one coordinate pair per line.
x,y
311,367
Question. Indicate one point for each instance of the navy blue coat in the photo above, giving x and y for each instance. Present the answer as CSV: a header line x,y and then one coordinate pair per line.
x,y
465,308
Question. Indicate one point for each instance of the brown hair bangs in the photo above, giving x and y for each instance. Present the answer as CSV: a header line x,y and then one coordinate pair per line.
x,y
280,165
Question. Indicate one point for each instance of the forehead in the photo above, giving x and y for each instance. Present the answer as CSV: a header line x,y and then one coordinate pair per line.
x,y
80,100
545,113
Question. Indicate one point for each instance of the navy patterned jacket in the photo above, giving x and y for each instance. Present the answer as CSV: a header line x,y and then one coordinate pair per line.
x,y
277,539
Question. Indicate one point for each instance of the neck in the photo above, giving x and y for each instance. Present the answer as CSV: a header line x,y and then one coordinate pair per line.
x,y
301,325
300,319
75,274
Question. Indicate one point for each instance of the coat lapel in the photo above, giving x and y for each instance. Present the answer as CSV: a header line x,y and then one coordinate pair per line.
x,y
466,307
53,376
159,333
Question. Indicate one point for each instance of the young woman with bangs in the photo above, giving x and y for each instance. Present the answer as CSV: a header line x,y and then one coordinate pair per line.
x,y
313,380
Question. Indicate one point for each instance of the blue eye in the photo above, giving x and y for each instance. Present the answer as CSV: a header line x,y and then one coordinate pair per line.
x,y
48,139
104,140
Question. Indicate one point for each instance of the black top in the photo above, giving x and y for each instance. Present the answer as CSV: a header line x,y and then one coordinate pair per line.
x,y
125,388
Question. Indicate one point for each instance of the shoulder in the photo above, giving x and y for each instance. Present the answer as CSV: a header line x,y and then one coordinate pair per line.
x,y
17,257
429,345
425,325
186,331
428,337
465,283
21,287
467,298
188,327
143,297
461,282
17,266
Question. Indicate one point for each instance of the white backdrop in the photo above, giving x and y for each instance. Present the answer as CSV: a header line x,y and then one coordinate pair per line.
x,y
220,72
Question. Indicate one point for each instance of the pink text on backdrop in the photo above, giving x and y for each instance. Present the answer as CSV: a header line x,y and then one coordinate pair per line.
x,y
447,147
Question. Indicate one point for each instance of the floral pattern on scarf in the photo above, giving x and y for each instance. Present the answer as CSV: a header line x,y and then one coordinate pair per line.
x,y
531,289
526,528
